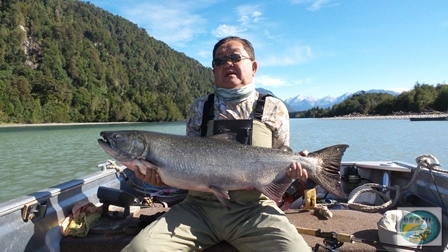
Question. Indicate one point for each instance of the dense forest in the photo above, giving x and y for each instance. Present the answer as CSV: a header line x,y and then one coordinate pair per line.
x,y
423,98
68,61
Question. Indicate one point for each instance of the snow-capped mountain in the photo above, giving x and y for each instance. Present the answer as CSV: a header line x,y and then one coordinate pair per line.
x,y
301,103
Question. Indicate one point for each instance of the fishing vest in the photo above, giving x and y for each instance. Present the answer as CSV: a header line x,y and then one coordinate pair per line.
x,y
251,132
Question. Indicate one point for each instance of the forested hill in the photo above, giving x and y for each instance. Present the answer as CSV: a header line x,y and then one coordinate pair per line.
x,y
69,61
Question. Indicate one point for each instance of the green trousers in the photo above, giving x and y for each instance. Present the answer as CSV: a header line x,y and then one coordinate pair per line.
x,y
200,222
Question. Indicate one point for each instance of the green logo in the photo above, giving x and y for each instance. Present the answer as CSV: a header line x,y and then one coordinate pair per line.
x,y
420,227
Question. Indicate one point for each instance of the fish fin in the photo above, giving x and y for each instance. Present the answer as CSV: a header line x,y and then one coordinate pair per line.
x,y
277,188
286,148
136,164
329,177
221,194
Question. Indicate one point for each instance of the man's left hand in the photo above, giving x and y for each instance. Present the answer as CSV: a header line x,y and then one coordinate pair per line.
x,y
296,171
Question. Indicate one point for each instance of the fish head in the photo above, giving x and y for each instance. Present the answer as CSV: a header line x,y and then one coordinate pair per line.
x,y
124,146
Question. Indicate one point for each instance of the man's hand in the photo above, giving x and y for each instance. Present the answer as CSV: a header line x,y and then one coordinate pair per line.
x,y
296,171
151,177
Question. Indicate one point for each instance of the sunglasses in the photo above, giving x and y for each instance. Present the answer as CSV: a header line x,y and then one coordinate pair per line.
x,y
234,58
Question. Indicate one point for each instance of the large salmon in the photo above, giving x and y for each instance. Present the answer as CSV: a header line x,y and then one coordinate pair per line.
x,y
217,166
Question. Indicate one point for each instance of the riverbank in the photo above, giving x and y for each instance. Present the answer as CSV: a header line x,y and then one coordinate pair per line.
x,y
11,125
388,117
346,117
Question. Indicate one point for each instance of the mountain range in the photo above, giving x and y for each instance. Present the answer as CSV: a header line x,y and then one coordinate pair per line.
x,y
302,103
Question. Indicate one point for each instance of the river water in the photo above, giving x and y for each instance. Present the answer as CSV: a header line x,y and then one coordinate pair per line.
x,y
37,157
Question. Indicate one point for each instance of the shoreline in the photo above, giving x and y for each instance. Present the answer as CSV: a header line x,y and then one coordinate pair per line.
x,y
388,117
346,117
12,125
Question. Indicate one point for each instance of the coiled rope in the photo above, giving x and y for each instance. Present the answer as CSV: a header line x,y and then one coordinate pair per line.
x,y
426,161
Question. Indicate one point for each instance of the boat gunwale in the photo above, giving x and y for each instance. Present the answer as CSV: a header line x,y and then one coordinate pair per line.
x,y
13,205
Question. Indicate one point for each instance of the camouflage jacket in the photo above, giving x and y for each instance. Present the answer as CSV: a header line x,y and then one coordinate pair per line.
x,y
275,115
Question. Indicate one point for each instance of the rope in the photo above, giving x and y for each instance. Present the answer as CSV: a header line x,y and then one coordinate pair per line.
x,y
424,161
430,162
388,202
112,165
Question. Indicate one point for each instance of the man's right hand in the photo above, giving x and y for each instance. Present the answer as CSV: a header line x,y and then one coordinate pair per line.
x,y
151,177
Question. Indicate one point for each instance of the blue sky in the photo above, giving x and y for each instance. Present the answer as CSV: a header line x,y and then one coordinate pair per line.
x,y
309,47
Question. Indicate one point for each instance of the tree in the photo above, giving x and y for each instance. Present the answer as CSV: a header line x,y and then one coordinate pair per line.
x,y
441,102
424,97
75,62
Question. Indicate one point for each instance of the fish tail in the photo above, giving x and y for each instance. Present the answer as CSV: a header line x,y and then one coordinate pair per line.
x,y
328,176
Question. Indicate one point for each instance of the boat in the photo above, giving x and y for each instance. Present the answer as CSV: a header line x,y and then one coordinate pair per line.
x,y
35,222
432,118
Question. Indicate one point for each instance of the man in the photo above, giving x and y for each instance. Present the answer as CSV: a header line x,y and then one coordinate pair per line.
x,y
253,222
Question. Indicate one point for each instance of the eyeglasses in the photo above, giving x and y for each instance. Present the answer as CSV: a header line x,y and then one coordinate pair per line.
x,y
234,58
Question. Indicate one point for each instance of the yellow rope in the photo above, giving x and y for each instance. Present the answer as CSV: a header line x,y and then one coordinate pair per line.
x,y
112,165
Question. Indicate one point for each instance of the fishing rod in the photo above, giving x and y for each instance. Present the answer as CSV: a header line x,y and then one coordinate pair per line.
x,y
334,240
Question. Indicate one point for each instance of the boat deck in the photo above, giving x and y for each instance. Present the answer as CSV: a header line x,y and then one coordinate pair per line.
x,y
361,225
113,234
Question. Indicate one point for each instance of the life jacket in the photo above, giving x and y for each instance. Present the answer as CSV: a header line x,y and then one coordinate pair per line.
x,y
248,131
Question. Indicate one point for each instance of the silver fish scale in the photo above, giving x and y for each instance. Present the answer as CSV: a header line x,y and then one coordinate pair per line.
x,y
228,164
207,164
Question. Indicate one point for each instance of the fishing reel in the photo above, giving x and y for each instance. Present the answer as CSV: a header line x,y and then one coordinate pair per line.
x,y
331,245
331,241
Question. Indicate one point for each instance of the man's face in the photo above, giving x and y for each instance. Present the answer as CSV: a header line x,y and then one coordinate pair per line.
x,y
233,75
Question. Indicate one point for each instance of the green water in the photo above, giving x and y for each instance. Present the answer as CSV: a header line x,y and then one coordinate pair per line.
x,y
37,157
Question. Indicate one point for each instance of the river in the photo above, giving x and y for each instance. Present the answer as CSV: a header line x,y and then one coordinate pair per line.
x,y
37,157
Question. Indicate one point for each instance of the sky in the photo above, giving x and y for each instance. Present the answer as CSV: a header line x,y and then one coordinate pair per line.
x,y
314,48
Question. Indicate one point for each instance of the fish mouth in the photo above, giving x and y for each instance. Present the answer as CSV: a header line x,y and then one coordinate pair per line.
x,y
110,147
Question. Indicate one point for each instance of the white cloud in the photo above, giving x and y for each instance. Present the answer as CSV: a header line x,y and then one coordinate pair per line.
x,y
247,18
290,56
313,5
172,22
307,80
399,90
268,81
316,5
227,30
248,14
256,15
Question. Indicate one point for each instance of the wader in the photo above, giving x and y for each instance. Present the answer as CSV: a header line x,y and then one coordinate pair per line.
x,y
253,222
